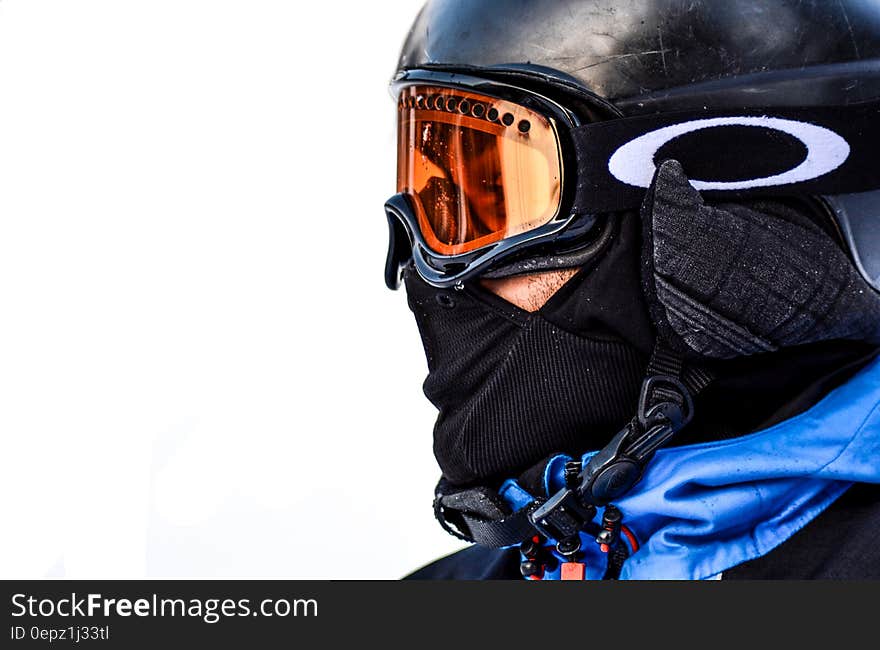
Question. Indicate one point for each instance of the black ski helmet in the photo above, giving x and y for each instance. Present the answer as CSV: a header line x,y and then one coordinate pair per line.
x,y
656,56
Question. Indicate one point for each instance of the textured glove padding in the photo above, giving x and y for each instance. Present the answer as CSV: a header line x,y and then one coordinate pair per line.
x,y
733,280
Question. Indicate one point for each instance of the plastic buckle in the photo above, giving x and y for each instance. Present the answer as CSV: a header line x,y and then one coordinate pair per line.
x,y
660,421
562,515
665,412
618,466
611,472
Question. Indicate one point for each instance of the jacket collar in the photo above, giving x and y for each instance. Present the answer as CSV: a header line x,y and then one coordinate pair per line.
x,y
701,509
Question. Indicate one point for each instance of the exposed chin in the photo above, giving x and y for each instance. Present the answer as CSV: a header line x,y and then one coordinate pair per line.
x,y
530,291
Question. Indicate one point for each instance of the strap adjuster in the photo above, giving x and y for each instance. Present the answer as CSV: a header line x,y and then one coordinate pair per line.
x,y
665,407
562,515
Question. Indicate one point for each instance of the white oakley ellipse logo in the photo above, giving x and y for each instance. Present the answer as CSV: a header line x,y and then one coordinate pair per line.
x,y
633,163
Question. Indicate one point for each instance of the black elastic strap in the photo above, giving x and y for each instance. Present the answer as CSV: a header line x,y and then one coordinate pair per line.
x,y
846,134
668,363
500,533
480,515
664,361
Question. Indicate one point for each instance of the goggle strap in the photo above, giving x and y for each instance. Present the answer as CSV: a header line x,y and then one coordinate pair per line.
x,y
839,148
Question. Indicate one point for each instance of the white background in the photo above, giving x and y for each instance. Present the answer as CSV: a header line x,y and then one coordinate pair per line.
x,y
201,372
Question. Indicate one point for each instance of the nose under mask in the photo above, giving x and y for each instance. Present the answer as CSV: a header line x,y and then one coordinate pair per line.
x,y
513,386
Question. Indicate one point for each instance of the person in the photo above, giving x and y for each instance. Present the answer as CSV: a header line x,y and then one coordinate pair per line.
x,y
640,242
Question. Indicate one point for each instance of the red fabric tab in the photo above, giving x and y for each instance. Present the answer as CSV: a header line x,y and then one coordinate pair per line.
x,y
573,571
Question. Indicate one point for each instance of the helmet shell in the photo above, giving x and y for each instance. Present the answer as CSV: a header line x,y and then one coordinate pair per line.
x,y
647,55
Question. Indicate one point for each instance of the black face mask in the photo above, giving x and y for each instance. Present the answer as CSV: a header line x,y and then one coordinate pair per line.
x,y
513,386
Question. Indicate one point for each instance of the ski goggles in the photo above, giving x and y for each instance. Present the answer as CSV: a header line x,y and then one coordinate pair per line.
x,y
477,169
488,170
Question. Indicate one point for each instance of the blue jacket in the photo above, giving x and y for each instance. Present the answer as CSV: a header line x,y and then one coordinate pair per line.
x,y
701,510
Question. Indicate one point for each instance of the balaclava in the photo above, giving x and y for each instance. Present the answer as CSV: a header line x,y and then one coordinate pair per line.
x,y
759,292
512,386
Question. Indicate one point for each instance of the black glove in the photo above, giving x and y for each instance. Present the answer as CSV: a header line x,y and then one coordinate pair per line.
x,y
740,279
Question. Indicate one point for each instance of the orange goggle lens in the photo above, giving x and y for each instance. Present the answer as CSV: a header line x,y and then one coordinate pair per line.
x,y
478,169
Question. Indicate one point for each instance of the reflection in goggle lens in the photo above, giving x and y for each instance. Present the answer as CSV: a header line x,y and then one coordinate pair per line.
x,y
478,169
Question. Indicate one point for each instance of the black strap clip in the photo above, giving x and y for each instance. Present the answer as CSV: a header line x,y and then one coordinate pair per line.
x,y
563,515
665,407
